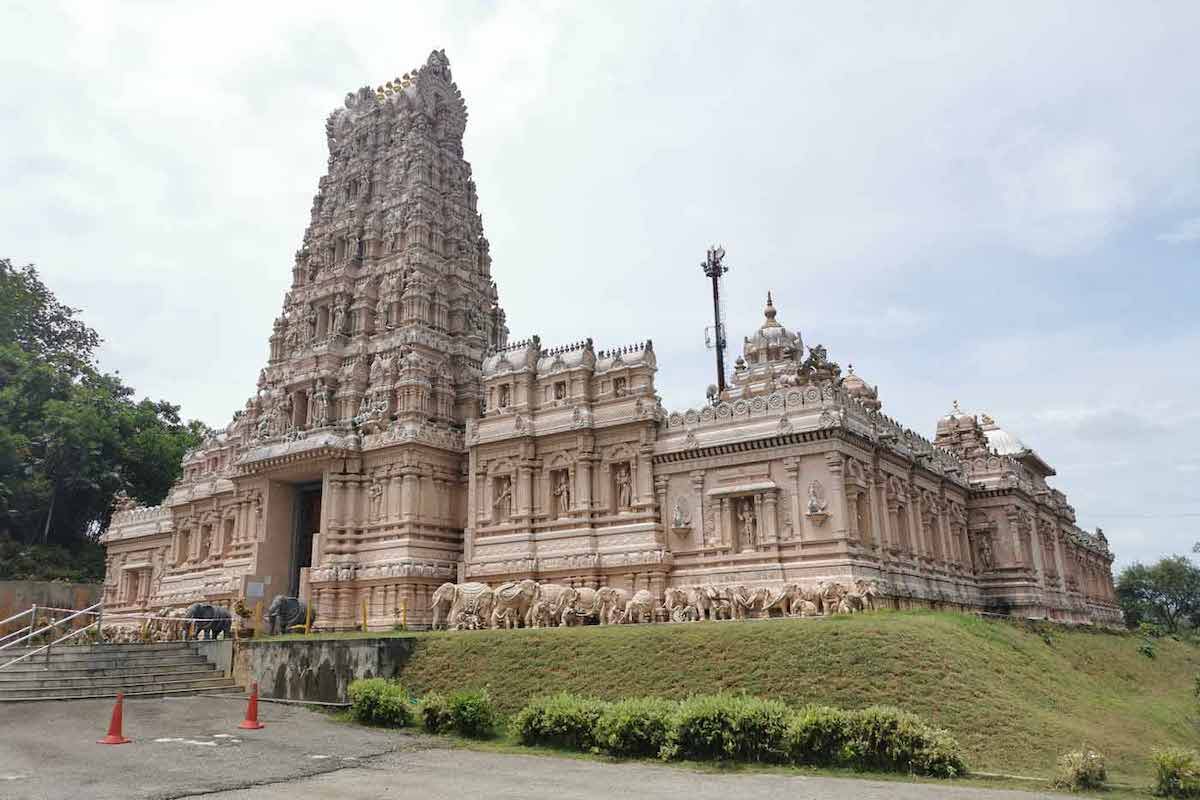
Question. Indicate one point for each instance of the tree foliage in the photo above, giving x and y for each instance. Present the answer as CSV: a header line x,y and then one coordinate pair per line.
x,y
1166,593
71,437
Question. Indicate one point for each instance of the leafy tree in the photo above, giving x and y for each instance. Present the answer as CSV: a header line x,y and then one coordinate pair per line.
x,y
1167,593
71,437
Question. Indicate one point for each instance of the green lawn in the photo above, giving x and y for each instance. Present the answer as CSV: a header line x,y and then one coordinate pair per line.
x,y
1014,696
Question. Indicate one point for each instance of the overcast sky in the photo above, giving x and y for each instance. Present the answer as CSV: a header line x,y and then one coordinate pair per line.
x,y
995,203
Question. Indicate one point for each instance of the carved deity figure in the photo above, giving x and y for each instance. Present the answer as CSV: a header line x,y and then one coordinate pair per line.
x,y
310,324
681,518
339,319
381,313
562,493
624,488
320,411
985,552
746,516
816,498
503,501
376,499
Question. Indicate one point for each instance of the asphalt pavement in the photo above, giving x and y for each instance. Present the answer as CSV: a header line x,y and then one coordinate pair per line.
x,y
191,747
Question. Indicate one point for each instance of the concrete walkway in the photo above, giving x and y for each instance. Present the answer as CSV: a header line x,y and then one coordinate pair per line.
x,y
191,747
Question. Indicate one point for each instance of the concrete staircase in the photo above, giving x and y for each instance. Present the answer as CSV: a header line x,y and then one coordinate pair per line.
x,y
169,668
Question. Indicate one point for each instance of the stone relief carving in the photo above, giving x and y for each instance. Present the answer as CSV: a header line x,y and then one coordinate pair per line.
x,y
681,518
817,504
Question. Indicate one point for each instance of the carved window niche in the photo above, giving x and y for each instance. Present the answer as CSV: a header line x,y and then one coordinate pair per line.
x,y
619,387
505,396
746,512
560,390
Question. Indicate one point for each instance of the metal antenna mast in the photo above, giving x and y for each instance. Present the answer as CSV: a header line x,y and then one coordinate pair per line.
x,y
714,269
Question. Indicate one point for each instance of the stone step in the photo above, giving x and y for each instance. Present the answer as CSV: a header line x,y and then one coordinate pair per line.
x,y
39,663
232,689
153,685
53,679
23,672
93,649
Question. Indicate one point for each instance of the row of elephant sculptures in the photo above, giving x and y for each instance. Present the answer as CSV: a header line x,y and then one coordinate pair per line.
x,y
526,603
206,621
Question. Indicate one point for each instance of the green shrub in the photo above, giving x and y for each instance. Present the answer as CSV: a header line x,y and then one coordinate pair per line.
x,y
1146,648
702,729
818,735
435,713
635,728
760,729
727,727
1080,769
888,739
377,701
559,720
1177,773
471,713
1196,686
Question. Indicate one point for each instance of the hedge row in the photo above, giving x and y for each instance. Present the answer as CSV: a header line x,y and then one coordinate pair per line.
x,y
377,701
735,728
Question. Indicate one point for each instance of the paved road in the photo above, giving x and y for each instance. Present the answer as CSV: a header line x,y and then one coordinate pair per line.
x,y
191,747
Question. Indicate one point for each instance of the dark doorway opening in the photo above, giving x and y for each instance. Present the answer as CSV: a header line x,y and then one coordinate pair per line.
x,y
308,522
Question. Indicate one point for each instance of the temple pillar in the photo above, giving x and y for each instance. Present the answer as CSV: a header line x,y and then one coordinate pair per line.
x,y
768,533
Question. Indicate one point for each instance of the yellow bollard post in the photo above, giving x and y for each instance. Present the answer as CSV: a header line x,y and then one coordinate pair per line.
x,y
258,616
307,618
364,615
404,616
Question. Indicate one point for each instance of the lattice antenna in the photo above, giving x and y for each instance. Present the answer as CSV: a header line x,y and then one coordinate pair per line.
x,y
714,269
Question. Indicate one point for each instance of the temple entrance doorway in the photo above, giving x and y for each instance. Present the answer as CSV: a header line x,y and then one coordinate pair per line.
x,y
307,522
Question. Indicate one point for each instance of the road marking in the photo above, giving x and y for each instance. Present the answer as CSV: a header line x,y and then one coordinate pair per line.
x,y
222,735
13,777
202,744
319,757
169,740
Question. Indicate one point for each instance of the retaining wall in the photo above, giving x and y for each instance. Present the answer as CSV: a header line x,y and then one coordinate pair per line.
x,y
321,669
18,596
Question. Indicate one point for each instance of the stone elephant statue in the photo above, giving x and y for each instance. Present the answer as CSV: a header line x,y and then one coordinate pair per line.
x,y
750,601
585,606
210,621
440,604
511,603
701,597
547,608
612,604
640,607
679,606
284,612
472,607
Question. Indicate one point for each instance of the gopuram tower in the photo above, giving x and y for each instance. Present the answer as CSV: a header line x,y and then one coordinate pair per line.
x,y
347,467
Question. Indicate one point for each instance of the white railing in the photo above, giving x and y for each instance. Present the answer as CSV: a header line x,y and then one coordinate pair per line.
x,y
34,631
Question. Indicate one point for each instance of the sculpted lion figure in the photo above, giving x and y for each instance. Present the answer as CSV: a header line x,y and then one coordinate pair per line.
x,y
511,602
612,603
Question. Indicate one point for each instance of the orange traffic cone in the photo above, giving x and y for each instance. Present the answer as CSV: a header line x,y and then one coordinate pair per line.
x,y
114,726
251,722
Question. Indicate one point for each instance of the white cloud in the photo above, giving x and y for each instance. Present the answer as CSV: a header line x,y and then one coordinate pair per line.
x,y
1186,231
913,188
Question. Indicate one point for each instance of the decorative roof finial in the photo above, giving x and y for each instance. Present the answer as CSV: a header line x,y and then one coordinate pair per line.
x,y
850,368
769,311
956,409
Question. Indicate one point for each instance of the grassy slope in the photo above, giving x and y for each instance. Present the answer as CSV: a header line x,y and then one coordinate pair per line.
x,y
1014,700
